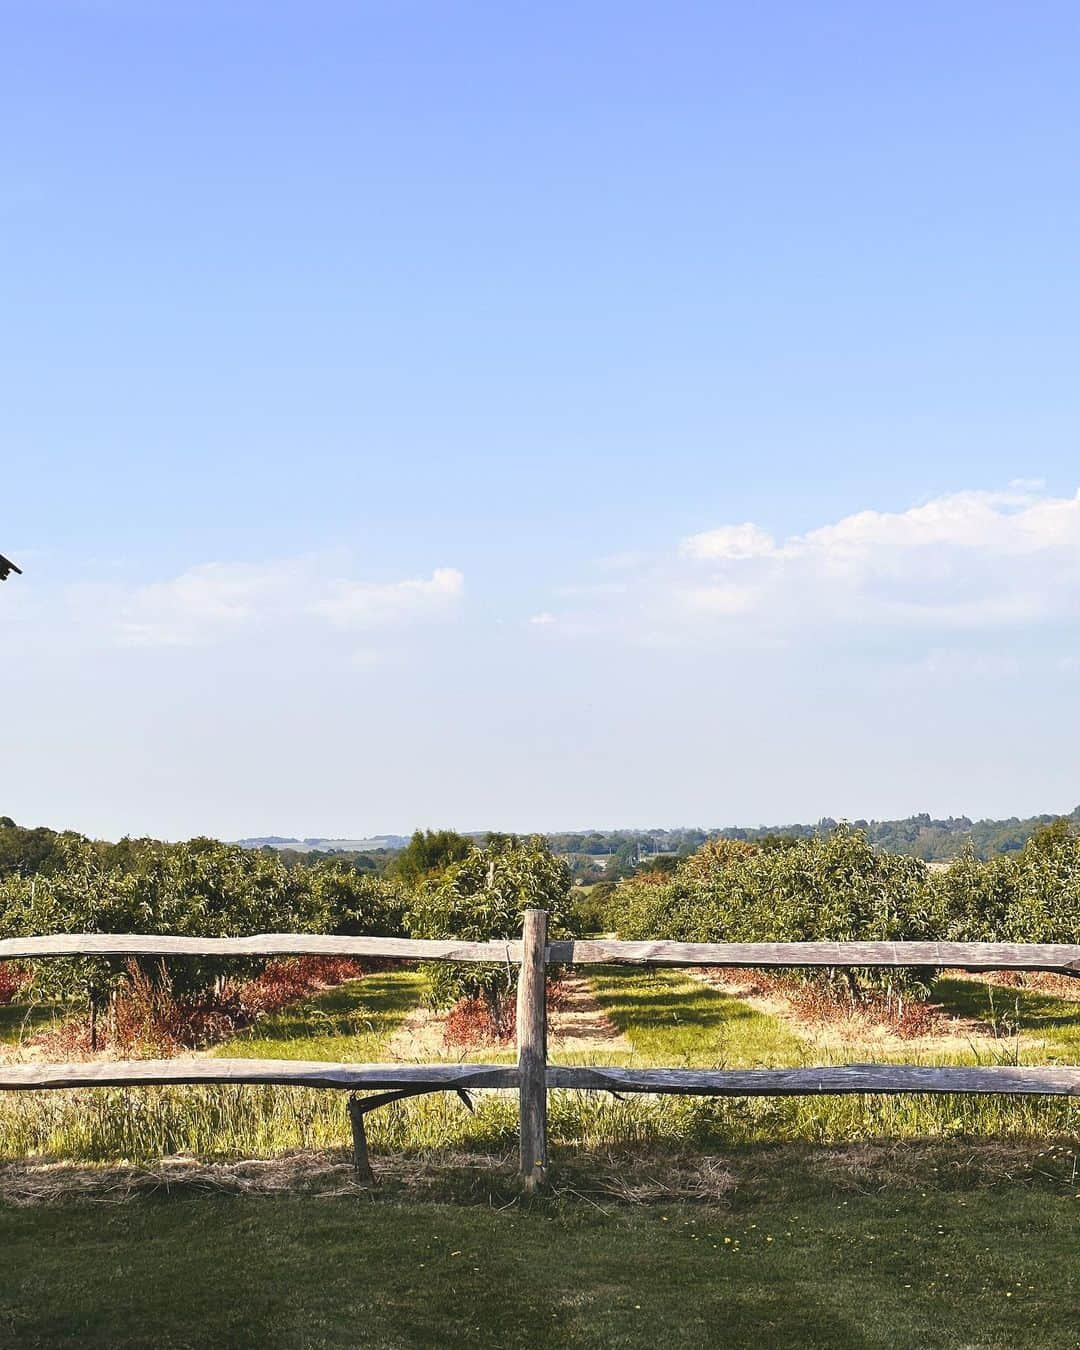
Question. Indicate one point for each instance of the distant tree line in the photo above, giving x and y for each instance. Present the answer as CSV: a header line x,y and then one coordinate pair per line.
x,y
917,836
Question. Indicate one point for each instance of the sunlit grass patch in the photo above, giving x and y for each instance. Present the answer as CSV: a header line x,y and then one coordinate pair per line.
x,y
670,1019
351,1023
673,1019
1049,1027
19,1020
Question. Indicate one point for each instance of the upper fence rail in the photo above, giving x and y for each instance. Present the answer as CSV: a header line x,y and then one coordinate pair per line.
x,y
1062,958
259,944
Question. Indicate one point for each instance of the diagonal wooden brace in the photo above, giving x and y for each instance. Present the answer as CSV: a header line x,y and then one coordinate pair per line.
x,y
358,1107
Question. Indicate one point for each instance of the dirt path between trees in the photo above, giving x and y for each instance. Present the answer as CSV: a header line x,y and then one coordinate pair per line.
x,y
580,1025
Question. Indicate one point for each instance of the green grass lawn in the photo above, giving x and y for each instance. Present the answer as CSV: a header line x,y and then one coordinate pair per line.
x,y
351,1023
830,1267
790,1250
673,1019
1048,1027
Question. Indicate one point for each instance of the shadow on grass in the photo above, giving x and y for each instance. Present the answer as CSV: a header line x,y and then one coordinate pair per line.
x,y
831,1262
1008,1009
353,1020
670,1017
22,1019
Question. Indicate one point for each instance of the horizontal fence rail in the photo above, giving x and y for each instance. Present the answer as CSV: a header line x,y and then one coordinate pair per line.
x,y
1058,957
288,1072
841,1078
1061,958
533,1076
1037,1080
261,944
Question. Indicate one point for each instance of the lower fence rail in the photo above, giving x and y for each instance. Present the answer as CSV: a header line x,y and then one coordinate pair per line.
x,y
833,1079
287,1072
389,1083
405,1080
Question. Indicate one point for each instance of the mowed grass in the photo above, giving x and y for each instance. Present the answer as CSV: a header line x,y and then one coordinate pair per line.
x,y
1048,1028
673,1019
351,1023
832,1268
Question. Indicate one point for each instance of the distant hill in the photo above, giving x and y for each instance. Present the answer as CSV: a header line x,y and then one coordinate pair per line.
x,y
612,853
391,842
921,836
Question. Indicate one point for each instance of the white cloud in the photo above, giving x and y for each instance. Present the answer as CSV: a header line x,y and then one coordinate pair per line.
x,y
971,559
974,560
203,604
215,602
730,541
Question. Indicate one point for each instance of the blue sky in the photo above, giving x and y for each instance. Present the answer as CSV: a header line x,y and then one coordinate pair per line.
x,y
542,416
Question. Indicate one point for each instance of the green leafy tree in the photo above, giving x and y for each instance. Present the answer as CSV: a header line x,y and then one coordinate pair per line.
x,y
350,903
201,888
483,897
827,887
427,854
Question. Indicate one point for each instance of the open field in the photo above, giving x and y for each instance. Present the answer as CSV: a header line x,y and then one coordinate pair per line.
x,y
635,1017
950,1246
350,1023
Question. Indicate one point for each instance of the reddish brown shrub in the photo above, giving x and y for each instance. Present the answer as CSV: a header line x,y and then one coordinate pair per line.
x,y
13,980
819,1000
296,977
472,1021
146,1019
558,993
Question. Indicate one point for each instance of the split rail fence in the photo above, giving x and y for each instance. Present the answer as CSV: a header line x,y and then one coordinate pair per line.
x,y
534,1076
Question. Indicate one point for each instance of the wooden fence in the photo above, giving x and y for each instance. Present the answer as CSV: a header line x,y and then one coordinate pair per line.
x,y
534,1076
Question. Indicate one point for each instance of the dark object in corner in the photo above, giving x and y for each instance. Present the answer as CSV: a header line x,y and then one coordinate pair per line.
x,y
7,567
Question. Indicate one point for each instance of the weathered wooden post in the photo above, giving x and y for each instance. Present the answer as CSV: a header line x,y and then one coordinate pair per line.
x,y
532,1049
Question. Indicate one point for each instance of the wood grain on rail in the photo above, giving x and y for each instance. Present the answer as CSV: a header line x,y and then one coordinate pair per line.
x,y
1039,1080
259,944
1059,957
290,1072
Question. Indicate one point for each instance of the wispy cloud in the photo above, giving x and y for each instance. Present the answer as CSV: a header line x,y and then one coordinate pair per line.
x,y
215,602
366,604
730,542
